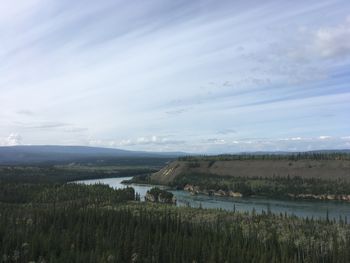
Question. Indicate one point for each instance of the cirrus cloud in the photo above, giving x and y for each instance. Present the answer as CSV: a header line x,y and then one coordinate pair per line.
x,y
210,73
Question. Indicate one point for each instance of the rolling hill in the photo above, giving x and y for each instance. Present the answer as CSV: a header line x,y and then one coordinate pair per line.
x,y
265,169
65,154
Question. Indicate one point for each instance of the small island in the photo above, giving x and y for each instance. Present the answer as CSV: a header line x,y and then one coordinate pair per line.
x,y
157,195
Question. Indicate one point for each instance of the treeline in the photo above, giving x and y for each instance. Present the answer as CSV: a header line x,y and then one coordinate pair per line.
x,y
140,179
287,156
99,160
63,194
63,174
140,235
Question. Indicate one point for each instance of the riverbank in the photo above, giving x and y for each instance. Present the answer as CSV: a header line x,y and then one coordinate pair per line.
x,y
195,190
300,208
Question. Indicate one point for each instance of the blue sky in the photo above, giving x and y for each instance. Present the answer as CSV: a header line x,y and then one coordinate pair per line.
x,y
196,76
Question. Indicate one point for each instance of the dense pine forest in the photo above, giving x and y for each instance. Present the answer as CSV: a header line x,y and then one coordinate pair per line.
x,y
57,221
64,173
138,233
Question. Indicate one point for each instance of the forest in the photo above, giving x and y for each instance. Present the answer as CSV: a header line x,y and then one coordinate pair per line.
x,y
60,221
65,173
276,187
327,155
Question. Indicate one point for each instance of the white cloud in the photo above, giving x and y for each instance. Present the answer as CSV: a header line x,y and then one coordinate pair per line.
x,y
126,142
324,137
153,140
223,145
292,139
12,140
313,47
216,141
147,141
333,41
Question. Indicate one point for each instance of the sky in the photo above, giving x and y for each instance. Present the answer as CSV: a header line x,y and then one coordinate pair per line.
x,y
201,76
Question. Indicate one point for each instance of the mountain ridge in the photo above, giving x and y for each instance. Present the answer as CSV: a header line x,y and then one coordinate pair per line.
x,y
34,154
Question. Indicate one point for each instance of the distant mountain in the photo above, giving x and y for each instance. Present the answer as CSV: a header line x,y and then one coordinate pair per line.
x,y
36,154
63,154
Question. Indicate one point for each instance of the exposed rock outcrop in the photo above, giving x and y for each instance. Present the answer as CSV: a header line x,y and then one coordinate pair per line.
x,y
234,194
194,190
321,197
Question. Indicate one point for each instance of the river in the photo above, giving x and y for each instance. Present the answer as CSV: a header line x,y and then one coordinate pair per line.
x,y
300,208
